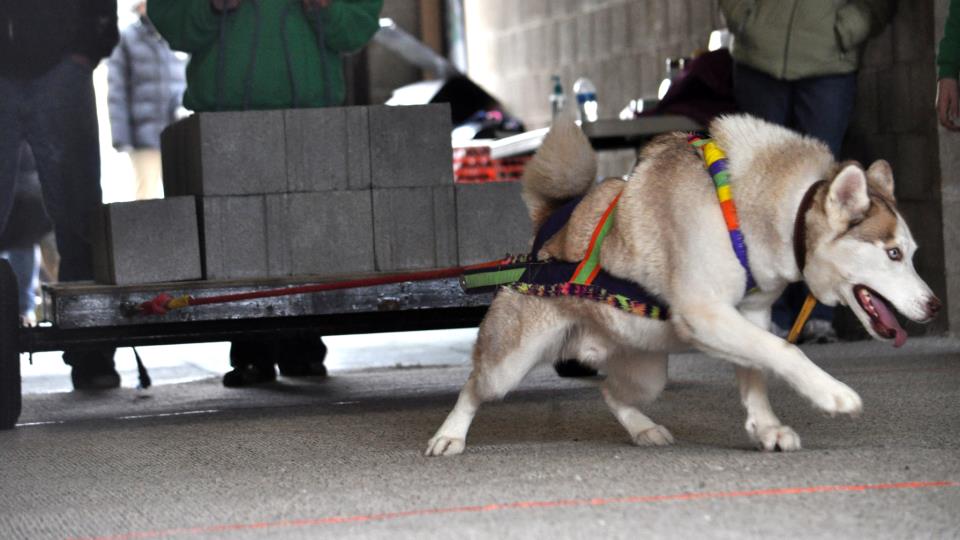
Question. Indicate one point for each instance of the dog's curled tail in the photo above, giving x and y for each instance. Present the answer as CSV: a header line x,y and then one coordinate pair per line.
x,y
564,167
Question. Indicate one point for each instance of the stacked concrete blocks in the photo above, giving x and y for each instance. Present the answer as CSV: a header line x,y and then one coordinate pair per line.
x,y
492,221
147,241
415,227
411,168
226,153
335,191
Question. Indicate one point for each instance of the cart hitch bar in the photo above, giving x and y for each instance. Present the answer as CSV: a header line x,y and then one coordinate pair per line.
x,y
163,302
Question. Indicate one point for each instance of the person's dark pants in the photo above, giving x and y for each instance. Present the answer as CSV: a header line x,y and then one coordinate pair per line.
x,y
56,113
817,106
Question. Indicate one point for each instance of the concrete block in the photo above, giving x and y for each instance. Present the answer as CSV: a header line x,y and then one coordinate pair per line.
x,y
414,228
619,29
234,237
601,28
358,148
492,221
410,146
316,146
330,233
231,153
147,242
584,38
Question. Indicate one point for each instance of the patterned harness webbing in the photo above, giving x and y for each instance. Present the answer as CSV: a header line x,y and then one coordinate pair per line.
x,y
526,274
553,278
716,163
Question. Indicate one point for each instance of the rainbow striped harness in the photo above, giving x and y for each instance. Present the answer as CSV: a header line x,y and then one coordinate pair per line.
x,y
553,278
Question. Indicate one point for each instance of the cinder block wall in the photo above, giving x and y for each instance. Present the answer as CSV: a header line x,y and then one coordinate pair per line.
x,y
515,46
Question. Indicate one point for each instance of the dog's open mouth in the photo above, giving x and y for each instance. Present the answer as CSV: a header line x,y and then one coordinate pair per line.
x,y
882,319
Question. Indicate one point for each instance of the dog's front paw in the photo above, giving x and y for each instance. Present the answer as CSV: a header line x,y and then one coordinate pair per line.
x,y
444,446
838,398
774,437
655,436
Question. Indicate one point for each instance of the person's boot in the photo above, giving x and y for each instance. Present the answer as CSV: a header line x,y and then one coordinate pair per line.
x,y
301,356
92,369
252,362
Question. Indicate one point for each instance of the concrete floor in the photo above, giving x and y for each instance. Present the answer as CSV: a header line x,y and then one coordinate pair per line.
x,y
342,457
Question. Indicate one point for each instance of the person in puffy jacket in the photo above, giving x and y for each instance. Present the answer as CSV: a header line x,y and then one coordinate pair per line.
x,y
147,81
795,64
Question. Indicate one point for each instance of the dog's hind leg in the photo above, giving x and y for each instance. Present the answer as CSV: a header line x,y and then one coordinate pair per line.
x,y
636,377
517,333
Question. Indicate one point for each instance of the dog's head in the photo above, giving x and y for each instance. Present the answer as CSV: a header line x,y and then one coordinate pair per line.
x,y
860,252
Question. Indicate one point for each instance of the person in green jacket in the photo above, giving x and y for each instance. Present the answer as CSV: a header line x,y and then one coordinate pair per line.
x,y
795,64
948,68
266,54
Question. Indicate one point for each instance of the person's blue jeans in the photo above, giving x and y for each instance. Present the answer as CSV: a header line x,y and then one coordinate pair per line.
x,y
26,268
817,106
56,113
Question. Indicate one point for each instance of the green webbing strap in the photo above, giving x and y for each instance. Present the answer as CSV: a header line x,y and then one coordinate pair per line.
x,y
590,265
492,278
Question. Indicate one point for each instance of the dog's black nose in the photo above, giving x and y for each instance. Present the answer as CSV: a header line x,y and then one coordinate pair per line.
x,y
933,306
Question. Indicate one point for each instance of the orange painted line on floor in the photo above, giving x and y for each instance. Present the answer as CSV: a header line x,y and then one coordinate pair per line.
x,y
521,505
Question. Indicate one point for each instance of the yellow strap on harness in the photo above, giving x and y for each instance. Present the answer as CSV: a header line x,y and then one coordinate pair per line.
x,y
802,317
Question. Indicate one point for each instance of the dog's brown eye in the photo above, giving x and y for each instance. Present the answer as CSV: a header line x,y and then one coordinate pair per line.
x,y
895,254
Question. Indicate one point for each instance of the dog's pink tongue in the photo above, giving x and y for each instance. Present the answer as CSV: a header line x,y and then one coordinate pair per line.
x,y
888,319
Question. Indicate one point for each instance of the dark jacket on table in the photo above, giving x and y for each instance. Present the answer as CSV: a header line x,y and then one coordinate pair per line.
x,y
147,80
36,34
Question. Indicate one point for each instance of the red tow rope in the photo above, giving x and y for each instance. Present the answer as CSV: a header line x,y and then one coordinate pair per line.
x,y
163,302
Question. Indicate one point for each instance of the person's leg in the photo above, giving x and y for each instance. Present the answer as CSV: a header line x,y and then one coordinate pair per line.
x,y
24,263
11,95
147,170
771,99
62,131
761,95
822,109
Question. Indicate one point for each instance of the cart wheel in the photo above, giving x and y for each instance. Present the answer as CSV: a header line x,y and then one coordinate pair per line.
x,y
10,398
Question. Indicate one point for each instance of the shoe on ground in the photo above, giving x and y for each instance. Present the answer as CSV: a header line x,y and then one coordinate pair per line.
x,y
301,356
818,331
572,368
95,378
249,374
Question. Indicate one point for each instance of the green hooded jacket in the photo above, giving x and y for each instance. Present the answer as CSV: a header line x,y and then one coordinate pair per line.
x,y
795,39
948,58
271,57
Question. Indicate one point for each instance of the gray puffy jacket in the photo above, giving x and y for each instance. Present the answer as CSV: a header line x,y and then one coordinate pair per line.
x,y
147,81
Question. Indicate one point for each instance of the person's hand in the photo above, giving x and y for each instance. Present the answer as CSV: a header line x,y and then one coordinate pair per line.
x,y
221,5
313,5
947,103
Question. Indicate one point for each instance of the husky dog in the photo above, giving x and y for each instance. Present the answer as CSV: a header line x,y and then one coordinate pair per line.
x,y
803,217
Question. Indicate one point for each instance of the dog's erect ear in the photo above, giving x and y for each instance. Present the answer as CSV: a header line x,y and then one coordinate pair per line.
x,y
847,200
881,175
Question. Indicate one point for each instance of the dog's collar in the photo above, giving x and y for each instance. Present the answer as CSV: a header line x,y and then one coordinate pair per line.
x,y
800,225
715,161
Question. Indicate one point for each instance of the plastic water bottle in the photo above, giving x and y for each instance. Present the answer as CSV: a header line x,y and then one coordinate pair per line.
x,y
588,109
556,96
